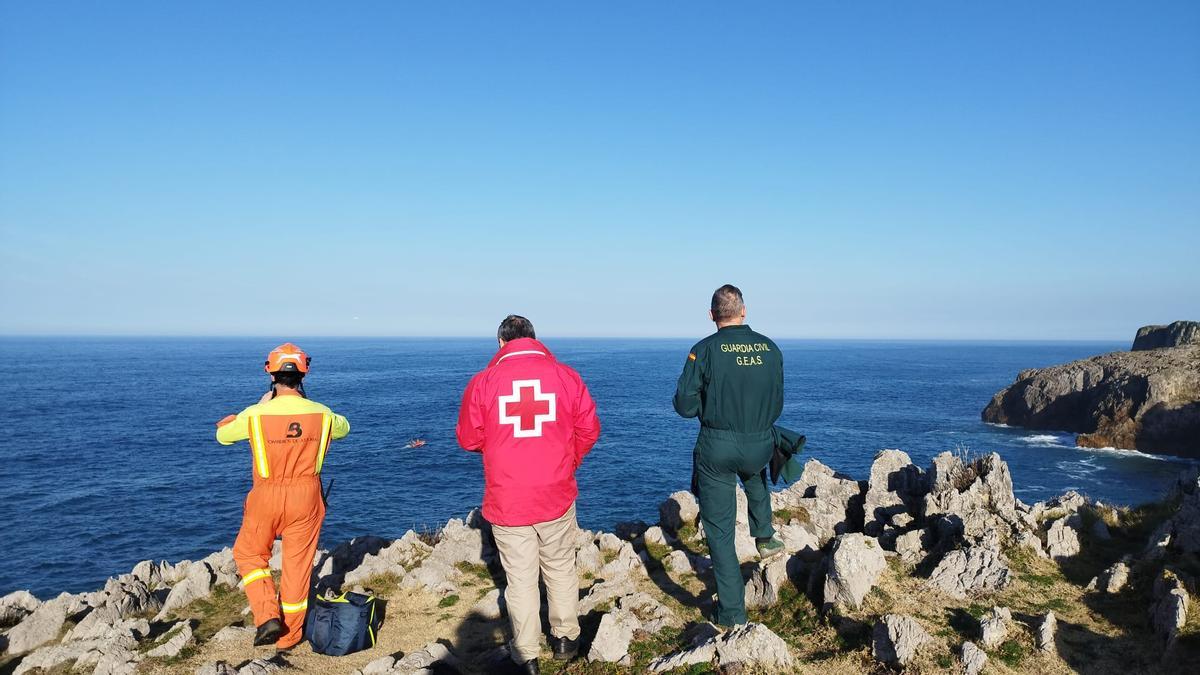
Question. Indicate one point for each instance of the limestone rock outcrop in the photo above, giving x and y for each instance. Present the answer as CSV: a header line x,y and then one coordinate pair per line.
x,y
898,639
1147,399
824,502
751,647
855,563
1174,334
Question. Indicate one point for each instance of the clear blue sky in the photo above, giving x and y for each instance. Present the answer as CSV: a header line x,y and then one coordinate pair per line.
x,y
881,169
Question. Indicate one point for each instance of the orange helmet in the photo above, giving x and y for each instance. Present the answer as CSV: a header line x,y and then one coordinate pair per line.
x,y
287,358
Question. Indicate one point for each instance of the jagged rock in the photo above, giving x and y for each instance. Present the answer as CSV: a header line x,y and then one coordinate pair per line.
x,y
130,595
589,559
1144,400
584,537
16,606
348,555
373,565
914,546
407,551
1062,539
106,624
234,634
221,562
41,626
1112,579
797,540
173,641
855,564
380,666
216,668
434,653
1181,532
606,591
970,571
1045,633
460,543
751,647
975,497
993,628
655,535
827,503
1169,612
102,642
609,542
1067,504
678,562
1177,334
627,563
260,667
894,489
897,639
653,615
611,644
1100,531
701,641
457,543
1032,543
197,584
973,659
678,510
488,606
155,574
766,580
434,576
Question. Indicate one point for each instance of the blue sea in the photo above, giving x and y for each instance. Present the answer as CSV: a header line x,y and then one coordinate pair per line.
x,y
108,456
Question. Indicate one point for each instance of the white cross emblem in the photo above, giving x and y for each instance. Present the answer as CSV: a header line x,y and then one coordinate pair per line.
x,y
526,408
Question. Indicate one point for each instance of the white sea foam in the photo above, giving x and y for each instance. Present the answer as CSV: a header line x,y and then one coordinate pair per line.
x,y
1048,441
999,425
1122,452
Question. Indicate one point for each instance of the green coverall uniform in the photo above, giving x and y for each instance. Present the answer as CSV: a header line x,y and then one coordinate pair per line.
x,y
732,380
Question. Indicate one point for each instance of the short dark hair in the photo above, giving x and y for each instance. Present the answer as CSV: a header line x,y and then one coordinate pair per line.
x,y
727,303
513,327
288,378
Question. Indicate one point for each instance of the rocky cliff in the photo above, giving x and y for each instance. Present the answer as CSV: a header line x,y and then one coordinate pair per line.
x,y
929,569
1176,334
1147,399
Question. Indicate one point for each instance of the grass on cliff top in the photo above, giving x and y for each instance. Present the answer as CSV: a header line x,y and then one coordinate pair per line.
x,y
223,608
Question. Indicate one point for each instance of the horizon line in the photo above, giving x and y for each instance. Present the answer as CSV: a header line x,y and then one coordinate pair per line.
x,y
243,336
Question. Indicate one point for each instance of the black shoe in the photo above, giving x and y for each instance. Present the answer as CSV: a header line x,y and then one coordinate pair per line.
x,y
565,649
530,666
268,633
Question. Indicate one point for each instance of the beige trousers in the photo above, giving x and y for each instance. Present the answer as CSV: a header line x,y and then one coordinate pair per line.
x,y
524,551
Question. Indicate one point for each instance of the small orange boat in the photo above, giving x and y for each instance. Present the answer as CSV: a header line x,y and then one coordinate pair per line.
x,y
415,443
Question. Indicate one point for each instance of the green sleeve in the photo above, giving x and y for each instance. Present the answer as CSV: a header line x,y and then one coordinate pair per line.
x,y
236,430
341,426
691,383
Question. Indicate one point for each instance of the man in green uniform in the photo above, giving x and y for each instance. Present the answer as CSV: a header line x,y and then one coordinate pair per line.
x,y
733,381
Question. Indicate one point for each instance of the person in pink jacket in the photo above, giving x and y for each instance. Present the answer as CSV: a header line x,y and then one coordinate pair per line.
x,y
533,420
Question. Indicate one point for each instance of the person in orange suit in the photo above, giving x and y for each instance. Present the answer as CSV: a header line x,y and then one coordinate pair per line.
x,y
289,435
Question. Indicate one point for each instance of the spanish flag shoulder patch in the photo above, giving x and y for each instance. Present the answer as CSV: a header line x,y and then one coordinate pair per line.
x,y
691,357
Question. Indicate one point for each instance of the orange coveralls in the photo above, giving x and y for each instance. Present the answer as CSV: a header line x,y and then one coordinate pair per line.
x,y
288,436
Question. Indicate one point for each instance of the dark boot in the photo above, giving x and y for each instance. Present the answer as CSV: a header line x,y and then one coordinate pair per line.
x,y
530,667
268,633
565,649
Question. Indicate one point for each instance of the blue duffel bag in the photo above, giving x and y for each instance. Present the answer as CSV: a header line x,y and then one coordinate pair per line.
x,y
343,625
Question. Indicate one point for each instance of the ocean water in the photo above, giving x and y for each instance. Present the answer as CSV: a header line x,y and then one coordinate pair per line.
x,y
108,454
